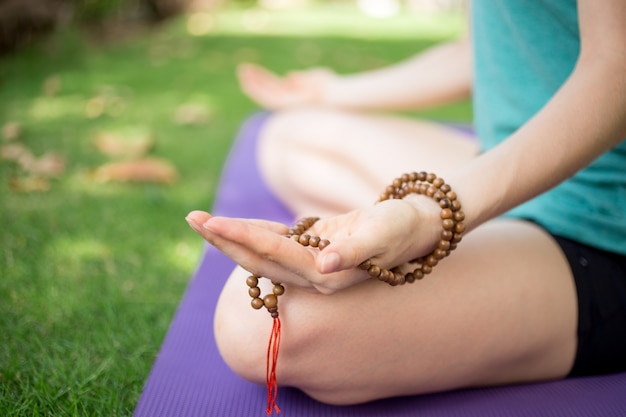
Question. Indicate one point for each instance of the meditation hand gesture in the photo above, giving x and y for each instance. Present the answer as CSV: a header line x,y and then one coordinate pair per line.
x,y
272,92
389,233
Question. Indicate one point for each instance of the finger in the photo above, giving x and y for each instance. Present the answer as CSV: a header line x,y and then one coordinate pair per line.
x,y
250,259
248,70
231,225
196,218
259,84
265,240
341,256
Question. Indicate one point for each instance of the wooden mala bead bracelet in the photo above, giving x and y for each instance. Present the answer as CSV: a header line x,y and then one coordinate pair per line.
x,y
421,183
452,217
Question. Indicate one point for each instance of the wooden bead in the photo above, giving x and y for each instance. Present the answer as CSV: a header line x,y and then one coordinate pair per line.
x,y
254,292
432,261
252,281
278,289
304,240
395,279
385,275
447,224
270,301
447,235
323,243
314,241
257,303
418,274
374,271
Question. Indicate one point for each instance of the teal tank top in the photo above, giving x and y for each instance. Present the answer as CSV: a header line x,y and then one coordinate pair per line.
x,y
524,50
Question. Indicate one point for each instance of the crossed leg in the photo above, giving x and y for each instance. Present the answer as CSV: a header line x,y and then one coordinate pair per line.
x,y
501,309
323,161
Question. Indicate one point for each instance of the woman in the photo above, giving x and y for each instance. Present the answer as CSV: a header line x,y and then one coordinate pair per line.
x,y
537,287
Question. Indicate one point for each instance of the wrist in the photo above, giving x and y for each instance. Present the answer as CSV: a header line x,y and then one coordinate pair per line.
x,y
451,220
427,219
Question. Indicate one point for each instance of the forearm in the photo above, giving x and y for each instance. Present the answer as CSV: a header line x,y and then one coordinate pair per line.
x,y
586,118
438,76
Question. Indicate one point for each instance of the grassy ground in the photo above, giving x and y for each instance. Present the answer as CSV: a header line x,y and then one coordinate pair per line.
x,y
91,272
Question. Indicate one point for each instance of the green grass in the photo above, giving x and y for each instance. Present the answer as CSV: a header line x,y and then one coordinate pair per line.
x,y
91,273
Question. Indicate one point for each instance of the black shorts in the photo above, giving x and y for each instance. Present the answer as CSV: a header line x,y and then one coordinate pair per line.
x,y
600,279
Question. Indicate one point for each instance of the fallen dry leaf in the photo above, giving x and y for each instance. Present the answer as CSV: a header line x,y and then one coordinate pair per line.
x,y
11,131
115,145
13,152
94,107
110,100
29,184
51,85
140,170
192,114
50,164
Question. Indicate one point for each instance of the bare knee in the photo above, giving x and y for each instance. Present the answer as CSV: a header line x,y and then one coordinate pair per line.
x,y
242,336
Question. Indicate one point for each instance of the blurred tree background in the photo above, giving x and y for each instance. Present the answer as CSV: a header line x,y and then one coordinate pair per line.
x,y
115,119
22,21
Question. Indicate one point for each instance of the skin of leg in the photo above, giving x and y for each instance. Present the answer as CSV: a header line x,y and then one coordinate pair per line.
x,y
501,309
322,161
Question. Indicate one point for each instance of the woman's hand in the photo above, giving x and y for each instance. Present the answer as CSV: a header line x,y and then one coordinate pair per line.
x,y
389,233
294,89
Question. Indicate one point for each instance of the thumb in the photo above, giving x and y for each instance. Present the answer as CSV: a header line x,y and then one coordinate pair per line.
x,y
329,262
339,258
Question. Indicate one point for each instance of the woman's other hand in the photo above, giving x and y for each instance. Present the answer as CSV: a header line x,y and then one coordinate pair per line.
x,y
274,92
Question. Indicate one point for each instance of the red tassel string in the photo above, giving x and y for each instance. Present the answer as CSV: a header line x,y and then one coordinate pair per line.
x,y
272,360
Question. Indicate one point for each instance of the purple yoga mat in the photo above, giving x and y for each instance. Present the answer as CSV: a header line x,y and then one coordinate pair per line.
x,y
189,377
